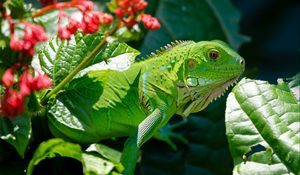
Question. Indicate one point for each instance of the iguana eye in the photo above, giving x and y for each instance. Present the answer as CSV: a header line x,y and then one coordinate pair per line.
x,y
214,54
192,64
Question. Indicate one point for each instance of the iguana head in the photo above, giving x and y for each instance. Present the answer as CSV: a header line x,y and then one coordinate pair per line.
x,y
209,69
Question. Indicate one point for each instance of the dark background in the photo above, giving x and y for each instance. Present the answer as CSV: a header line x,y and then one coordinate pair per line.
x,y
274,28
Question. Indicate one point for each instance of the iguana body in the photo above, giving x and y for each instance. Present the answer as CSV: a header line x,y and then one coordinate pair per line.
x,y
140,100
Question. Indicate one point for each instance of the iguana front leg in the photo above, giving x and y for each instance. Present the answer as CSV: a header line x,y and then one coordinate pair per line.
x,y
144,132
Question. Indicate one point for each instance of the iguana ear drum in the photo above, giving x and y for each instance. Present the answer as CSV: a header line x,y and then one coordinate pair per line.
x,y
192,64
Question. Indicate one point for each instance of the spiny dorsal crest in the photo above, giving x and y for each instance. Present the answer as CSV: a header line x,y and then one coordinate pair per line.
x,y
167,47
170,46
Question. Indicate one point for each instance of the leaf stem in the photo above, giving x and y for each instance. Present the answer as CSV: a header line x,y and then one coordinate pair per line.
x,y
80,66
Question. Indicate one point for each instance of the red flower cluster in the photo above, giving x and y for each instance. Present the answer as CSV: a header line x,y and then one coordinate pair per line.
x,y
32,34
91,20
129,12
129,7
12,103
150,22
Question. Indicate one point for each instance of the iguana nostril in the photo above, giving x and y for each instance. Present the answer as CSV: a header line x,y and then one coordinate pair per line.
x,y
242,62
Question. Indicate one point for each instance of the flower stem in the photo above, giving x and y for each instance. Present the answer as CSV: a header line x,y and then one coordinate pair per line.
x,y
58,5
80,66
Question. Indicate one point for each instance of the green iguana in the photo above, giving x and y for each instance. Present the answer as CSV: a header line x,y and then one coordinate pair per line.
x,y
137,102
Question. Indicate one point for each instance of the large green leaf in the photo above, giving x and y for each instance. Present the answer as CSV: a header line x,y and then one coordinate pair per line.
x,y
105,151
263,127
53,148
96,165
75,114
102,163
92,163
195,20
16,131
58,58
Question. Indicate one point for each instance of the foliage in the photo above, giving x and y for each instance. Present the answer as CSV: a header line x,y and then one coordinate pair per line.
x,y
17,132
27,144
56,52
262,124
92,163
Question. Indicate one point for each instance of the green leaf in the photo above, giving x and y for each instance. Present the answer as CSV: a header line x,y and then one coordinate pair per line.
x,y
54,148
251,168
120,63
92,163
58,58
105,151
16,8
96,165
294,84
196,20
125,35
16,131
259,114
112,6
114,49
75,114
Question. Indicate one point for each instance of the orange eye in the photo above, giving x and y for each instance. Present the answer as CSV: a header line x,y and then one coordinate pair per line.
x,y
213,54
192,64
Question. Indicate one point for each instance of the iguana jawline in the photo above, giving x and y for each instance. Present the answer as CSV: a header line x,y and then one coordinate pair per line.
x,y
218,91
199,100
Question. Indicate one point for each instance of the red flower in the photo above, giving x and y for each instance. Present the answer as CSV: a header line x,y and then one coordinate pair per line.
x,y
141,5
130,7
94,18
129,12
42,81
85,5
64,33
150,22
25,82
130,22
90,23
119,13
32,34
73,25
16,44
8,77
24,89
38,33
107,18
12,104
28,83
